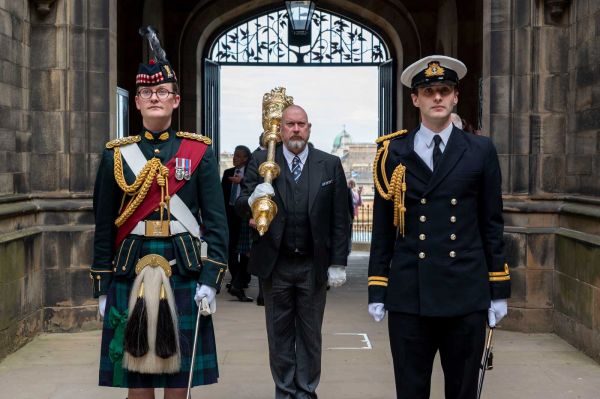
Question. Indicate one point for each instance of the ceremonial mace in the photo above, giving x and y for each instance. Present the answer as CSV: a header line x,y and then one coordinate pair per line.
x,y
264,209
486,362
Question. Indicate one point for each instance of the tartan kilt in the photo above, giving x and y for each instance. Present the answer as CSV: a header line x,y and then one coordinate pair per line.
x,y
184,289
244,239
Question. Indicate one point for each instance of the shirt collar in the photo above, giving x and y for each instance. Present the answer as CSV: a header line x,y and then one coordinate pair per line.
x,y
289,156
428,135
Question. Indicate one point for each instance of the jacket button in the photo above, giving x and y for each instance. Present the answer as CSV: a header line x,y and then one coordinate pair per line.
x,y
422,255
453,237
422,237
423,201
422,218
452,254
124,268
453,219
453,201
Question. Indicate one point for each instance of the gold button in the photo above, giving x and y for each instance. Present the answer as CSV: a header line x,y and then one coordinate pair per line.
x,y
453,201
115,269
422,218
98,277
123,268
423,201
452,254
156,151
422,255
453,219
422,237
453,237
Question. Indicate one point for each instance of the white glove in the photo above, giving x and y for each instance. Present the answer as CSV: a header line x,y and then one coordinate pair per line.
x,y
336,275
377,310
261,190
102,305
208,294
498,309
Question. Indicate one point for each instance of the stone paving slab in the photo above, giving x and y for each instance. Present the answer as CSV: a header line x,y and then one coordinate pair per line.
x,y
532,366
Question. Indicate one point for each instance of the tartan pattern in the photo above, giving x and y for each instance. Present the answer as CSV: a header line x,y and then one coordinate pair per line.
x,y
184,289
244,238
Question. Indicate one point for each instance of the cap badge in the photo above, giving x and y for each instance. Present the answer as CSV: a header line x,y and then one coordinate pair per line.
x,y
434,69
168,70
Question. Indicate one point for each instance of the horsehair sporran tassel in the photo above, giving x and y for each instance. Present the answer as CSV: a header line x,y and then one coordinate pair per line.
x,y
166,343
136,332
155,280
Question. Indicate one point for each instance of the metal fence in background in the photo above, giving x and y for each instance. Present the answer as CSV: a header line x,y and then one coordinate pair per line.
x,y
363,225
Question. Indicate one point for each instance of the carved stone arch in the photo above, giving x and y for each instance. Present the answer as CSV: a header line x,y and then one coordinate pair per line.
x,y
392,22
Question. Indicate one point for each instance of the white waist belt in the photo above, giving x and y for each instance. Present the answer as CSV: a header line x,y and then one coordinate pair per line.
x,y
175,227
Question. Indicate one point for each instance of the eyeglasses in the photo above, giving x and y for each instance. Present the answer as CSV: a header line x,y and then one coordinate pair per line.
x,y
162,93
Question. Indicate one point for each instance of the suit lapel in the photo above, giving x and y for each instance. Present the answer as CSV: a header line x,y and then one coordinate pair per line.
x,y
315,171
453,152
413,162
280,180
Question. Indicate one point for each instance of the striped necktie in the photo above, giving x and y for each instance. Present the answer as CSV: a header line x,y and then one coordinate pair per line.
x,y
296,169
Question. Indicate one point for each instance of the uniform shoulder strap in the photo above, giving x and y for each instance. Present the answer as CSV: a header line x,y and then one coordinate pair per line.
x,y
391,136
123,141
194,136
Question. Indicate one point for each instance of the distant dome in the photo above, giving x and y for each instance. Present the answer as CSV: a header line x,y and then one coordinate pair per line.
x,y
342,139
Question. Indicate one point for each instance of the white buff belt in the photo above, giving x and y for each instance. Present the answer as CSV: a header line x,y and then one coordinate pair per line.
x,y
136,160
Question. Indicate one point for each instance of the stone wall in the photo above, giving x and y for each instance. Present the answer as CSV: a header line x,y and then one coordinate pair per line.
x,y
15,122
54,120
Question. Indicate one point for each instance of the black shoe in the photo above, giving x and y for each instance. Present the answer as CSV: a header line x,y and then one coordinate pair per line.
x,y
228,286
240,295
260,301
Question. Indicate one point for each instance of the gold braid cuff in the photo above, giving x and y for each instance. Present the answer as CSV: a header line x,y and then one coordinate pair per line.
x,y
153,170
395,188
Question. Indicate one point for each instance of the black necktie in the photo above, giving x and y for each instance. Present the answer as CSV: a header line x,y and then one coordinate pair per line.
x,y
437,153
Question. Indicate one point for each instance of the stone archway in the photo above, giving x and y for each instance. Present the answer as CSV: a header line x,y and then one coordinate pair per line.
x,y
208,20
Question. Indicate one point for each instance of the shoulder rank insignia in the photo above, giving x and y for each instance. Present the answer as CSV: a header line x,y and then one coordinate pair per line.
x,y
195,136
123,141
391,136
393,189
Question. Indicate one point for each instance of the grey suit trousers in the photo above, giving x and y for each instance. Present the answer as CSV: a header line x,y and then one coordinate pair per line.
x,y
294,307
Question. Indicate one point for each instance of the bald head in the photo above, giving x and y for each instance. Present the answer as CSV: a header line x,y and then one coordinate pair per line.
x,y
295,128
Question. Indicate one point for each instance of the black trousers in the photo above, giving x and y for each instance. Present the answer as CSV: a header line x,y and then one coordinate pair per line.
x,y
414,341
294,307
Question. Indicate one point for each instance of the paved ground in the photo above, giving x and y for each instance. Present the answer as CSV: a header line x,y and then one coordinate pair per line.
x,y
527,366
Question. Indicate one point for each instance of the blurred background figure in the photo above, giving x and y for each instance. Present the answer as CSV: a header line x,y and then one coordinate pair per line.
x,y
238,228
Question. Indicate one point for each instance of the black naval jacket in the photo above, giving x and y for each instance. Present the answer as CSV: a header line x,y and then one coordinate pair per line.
x,y
327,212
451,260
203,196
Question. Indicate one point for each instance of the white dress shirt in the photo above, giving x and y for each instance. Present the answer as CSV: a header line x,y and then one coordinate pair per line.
x,y
289,156
424,143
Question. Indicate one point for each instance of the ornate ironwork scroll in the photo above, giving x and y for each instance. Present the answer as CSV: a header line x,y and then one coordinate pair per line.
x,y
263,40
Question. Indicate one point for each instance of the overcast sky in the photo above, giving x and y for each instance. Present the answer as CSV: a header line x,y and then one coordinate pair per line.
x,y
332,97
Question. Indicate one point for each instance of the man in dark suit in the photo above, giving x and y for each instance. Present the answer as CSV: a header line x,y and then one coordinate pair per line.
x,y
305,248
231,184
437,254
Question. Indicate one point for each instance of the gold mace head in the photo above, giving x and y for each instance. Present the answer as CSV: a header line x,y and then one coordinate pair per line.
x,y
263,212
273,105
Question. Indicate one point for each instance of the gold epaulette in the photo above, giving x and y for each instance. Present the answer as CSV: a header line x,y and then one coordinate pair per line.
x,y
195,136
391,136
396,186
123,141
